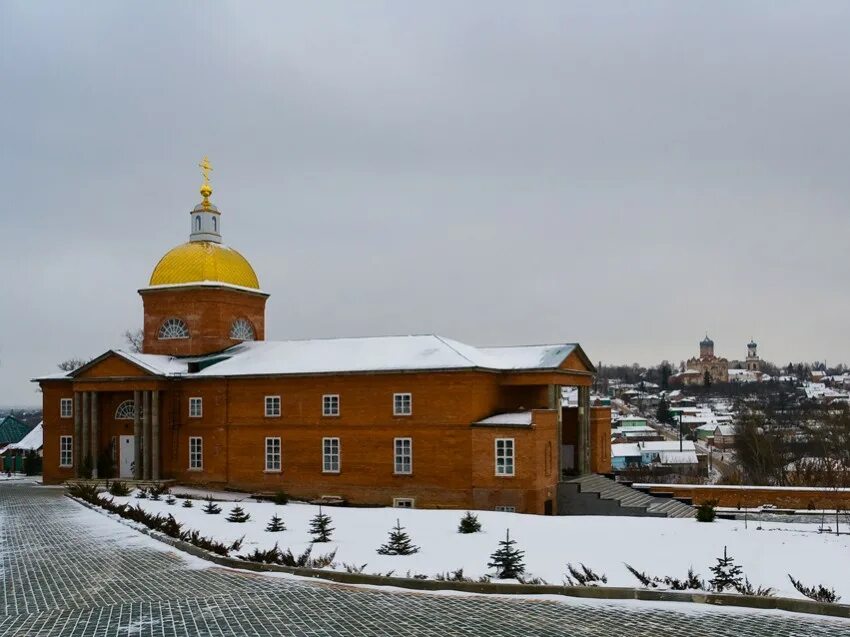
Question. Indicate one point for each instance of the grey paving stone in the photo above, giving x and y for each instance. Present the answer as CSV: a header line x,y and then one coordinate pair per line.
x,y
67,571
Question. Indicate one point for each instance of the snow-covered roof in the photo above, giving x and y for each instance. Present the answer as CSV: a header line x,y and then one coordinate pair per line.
x,y
33,440
365,354
677,457
515,419
625,449
667,445
725,430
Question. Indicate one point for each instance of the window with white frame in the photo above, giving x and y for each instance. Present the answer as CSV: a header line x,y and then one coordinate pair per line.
x,y
241,330
66,451
403,455
272,406
330,405
196,407
173,328
403,503
330,455
506,509
402,404
196,452
272,454
126,411
66,407
504,456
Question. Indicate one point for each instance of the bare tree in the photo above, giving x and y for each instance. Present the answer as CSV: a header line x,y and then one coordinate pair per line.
x,y
134,339
71,364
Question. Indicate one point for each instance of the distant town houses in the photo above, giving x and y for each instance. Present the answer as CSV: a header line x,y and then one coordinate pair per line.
x,y
664,456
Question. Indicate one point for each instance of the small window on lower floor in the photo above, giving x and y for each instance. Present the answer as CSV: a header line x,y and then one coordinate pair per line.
x,y
403,503
66,451
505,509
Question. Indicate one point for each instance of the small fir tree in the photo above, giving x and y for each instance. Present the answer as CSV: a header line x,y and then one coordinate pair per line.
x,y
170,499
706,512
237,514
187,504
469,523
320,527
399,542
507,560
211,507
727,574
275,525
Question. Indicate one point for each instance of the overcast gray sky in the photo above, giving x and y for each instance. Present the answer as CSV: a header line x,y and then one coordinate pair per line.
x,y
626,175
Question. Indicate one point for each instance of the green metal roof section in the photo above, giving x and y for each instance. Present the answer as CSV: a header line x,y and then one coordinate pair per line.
x,y
12,430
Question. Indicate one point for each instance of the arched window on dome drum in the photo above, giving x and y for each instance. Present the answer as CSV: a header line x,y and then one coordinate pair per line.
x,y
242,330
198,222
126,411
173,328
215,224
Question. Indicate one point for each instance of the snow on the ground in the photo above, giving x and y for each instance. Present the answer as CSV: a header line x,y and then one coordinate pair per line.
x,y
767,551
17,476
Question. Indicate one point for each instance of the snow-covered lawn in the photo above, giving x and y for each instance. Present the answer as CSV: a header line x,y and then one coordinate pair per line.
x,y
658,546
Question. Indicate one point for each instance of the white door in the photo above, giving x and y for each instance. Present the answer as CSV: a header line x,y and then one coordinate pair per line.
x,y
127,452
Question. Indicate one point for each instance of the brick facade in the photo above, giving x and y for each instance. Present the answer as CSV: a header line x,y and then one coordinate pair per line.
x,y
453,460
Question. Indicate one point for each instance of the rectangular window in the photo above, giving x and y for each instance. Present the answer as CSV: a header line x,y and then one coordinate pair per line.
x,y
403,455
505,509
402,404
272,406
330,405
504,456
330,455
66,451
196,453
196,407
272,454
66,407
403,503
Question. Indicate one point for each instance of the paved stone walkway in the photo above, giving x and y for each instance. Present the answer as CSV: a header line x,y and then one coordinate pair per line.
x,y
69,571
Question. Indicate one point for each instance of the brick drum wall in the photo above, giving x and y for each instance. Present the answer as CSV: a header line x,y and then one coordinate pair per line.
x,y
208,312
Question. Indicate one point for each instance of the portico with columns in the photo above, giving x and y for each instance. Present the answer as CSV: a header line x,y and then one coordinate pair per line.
x,y
99,429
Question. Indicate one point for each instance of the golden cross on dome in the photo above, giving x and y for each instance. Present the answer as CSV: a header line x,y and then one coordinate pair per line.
x,y
205,167
206,188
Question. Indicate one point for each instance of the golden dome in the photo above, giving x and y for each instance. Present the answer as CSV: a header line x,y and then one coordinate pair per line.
x,y
199,261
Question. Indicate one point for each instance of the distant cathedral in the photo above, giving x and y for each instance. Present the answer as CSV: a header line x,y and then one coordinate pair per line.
x,y
695,369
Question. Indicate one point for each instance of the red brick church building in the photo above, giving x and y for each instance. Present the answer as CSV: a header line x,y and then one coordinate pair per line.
x,y
419,421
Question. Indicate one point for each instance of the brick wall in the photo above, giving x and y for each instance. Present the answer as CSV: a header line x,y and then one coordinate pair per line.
x,y
208,312
782,497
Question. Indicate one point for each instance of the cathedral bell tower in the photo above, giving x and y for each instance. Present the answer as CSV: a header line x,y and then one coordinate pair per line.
x,y
753,362
203,296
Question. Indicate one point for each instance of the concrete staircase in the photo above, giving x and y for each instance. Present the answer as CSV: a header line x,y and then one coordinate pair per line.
x,y
594,494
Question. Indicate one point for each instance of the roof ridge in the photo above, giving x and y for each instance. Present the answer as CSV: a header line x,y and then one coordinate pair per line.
x,y
454,349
